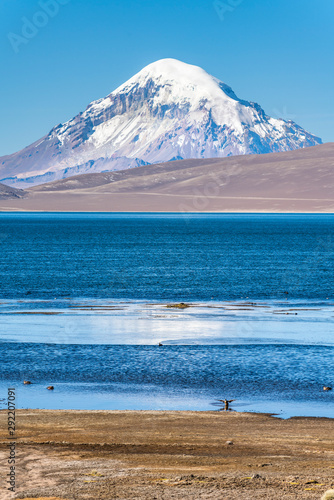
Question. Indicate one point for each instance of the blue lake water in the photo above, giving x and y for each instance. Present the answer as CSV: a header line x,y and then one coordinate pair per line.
x,y
190,257
83,307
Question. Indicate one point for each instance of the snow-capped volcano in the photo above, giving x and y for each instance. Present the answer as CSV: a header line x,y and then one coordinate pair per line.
x,y
170,110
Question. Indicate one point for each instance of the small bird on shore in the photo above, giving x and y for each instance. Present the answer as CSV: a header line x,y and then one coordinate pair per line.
x,y
227,403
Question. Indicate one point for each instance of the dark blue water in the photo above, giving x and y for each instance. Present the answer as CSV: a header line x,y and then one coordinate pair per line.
x,y
176,257
191,258
291,369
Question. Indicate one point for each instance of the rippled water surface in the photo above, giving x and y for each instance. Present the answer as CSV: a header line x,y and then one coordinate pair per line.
x,y
187,257
83,307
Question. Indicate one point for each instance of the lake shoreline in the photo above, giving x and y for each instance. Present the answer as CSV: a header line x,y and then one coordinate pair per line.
x,y
112,355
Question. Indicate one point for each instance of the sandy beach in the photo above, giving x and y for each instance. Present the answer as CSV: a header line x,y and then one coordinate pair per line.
x,y
161,455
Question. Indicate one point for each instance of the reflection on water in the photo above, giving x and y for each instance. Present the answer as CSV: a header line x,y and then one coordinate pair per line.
x,y
141,323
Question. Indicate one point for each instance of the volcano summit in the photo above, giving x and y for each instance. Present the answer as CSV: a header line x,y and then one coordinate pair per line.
x,y
168,111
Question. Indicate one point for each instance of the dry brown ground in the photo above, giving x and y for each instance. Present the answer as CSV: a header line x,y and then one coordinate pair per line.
x,y
293,181
169,455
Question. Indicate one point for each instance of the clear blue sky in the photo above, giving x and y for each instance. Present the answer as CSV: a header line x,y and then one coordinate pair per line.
x,y
279,54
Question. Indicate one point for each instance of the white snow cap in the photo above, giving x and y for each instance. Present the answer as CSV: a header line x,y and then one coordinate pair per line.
x,y
169,110
186,84
179,74
173,69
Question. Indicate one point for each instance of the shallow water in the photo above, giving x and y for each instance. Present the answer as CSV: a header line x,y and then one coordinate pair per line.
x,y
83,307
273,357
282,379
145,323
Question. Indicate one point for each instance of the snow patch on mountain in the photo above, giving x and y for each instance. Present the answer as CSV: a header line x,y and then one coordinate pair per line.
x,y
169,110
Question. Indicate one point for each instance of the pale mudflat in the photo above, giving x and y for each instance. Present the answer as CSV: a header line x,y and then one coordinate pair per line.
x,y
162,455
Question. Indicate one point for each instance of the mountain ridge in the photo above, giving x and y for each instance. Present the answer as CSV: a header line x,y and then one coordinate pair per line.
x,y
168,110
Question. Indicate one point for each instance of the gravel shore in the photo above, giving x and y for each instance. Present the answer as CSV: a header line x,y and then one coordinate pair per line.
x,y
167,455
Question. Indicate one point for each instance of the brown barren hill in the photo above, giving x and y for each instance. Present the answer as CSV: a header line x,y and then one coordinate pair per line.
x,y
9,193
293,181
